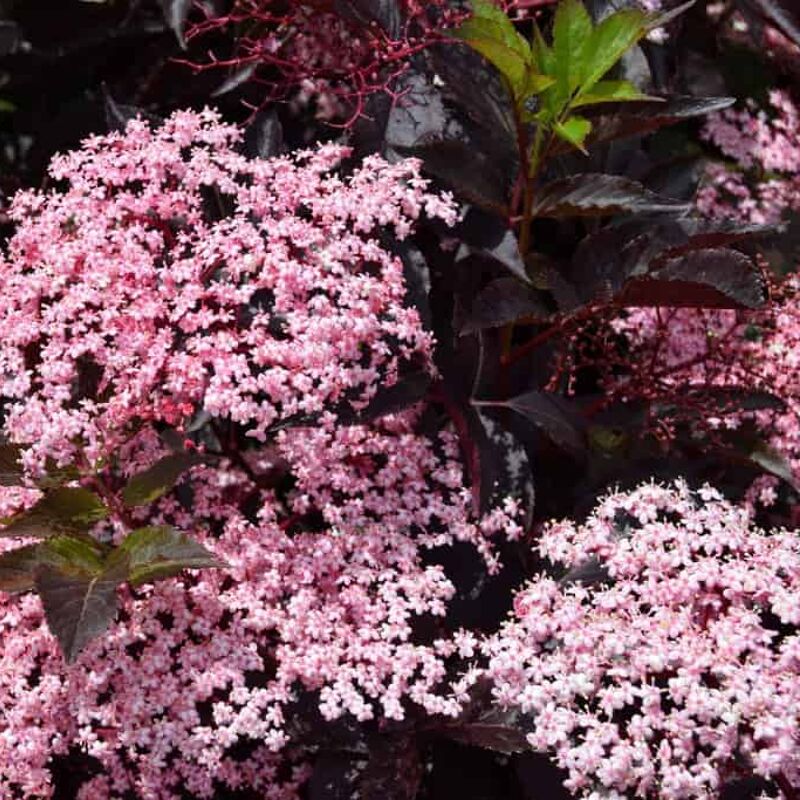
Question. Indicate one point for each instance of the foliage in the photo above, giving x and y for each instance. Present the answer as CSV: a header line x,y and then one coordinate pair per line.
x,y
548,82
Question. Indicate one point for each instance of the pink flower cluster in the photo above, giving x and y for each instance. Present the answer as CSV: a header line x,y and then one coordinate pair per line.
x,y
695,352
678,674
168,273
132,302
197,685
763,180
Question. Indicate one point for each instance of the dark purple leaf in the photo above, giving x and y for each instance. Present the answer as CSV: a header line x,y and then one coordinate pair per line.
x,y
156,481
493,729
677,177
11,473
592,195
660,20
235,79
741,398
714,278
603,262
394,770
62,510
370,131
620,120
682,236
263,137
421,117
746,445
500,466
483,724
118,115
161,552
334,777
79,605
478,93
503,301
417,276
387,14
17,568
588,573
504,250
496,461
552,416
480,229
9,37
466,169
773,462
462,128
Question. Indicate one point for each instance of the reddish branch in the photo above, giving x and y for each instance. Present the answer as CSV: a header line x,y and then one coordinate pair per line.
x,y
328,49
319,47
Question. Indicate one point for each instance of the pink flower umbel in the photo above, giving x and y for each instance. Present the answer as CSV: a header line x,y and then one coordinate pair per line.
x,y
169,282
168,273
762,182
678,672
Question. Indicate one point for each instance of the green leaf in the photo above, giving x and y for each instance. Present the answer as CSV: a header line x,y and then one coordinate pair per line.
x,y
535,83
572,37
156,481
610,40
544,63
493,18
73,554
574,131
611,92
543,57
161,552
489,13
79,605
487,10
6,106
492,34
508,63
62,510
17,568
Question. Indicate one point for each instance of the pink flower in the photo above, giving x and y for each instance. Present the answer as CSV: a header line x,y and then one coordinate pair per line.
x,y
170,274
133,303
680,672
